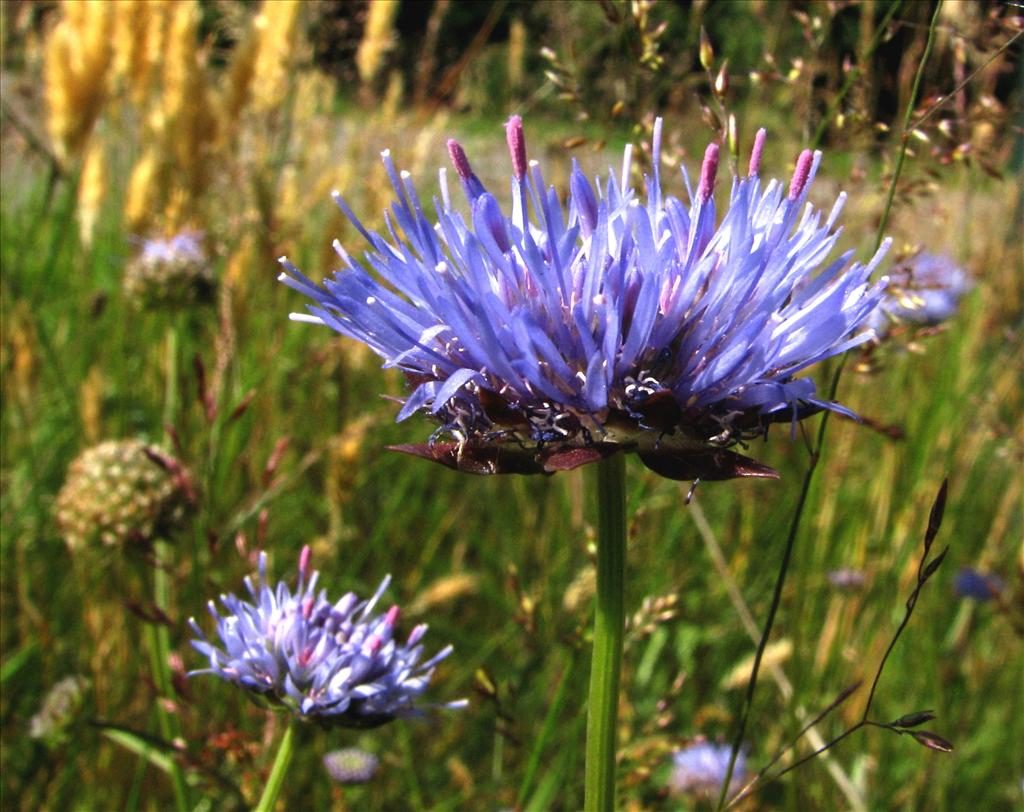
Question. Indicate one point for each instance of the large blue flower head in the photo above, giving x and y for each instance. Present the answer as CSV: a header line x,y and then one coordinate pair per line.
x,y
334,663
553,336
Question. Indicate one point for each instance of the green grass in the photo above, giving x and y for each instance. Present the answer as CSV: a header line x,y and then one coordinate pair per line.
x,y
523,540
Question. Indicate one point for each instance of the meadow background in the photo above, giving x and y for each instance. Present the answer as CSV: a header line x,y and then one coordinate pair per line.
x,y
132,120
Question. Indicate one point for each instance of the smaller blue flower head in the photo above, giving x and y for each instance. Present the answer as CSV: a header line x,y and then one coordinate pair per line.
x,y
700,768
350,765
333,663
924,289
181,247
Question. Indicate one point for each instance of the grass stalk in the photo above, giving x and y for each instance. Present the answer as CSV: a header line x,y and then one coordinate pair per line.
x,y
160,651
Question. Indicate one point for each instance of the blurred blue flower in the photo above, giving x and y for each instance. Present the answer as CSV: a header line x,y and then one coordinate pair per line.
x,y
552,336
925,289
170,272
334,663
351,765
186,245
981,586
700,768
847,579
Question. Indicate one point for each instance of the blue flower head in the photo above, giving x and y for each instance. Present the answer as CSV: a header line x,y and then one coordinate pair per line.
x,y
924,289
977,585
550,336
350,765
334,663
700,768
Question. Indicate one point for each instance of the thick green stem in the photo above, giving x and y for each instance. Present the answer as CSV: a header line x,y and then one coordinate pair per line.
x,y
279,770
609,623
160,660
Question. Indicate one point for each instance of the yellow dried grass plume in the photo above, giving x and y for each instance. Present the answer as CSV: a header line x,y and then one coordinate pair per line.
x,y
77,58
378,38
186,115
92,188
139,33
277,24
260,68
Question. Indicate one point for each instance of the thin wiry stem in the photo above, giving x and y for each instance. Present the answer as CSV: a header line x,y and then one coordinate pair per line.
x,y
776,600
816,456
843,781
927,114
926,567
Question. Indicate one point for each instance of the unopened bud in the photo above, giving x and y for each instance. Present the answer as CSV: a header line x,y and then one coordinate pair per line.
x,y
721,85
707,53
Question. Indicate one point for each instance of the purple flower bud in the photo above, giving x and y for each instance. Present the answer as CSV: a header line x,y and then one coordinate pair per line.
x,y
516,145
754,167
708,170
470,182
800,174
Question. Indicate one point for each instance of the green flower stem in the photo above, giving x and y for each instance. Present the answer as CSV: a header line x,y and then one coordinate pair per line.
x,y
609,624
279,770
160,661
171,384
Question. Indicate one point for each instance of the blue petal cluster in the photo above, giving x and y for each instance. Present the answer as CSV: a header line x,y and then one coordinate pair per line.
x,y
700,768
334,663
569,323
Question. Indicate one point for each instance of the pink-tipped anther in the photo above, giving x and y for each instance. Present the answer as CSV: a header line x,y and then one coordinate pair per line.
x,y
307,607
708,170
391,618
803,169
304,558
516,145
459,159
754,168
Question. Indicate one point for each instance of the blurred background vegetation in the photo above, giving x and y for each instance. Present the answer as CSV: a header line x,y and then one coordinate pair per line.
x,y
137,120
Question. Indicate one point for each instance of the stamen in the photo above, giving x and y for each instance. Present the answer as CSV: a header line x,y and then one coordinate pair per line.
x,y
516,145
754,167
304,558
803,169
708,170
